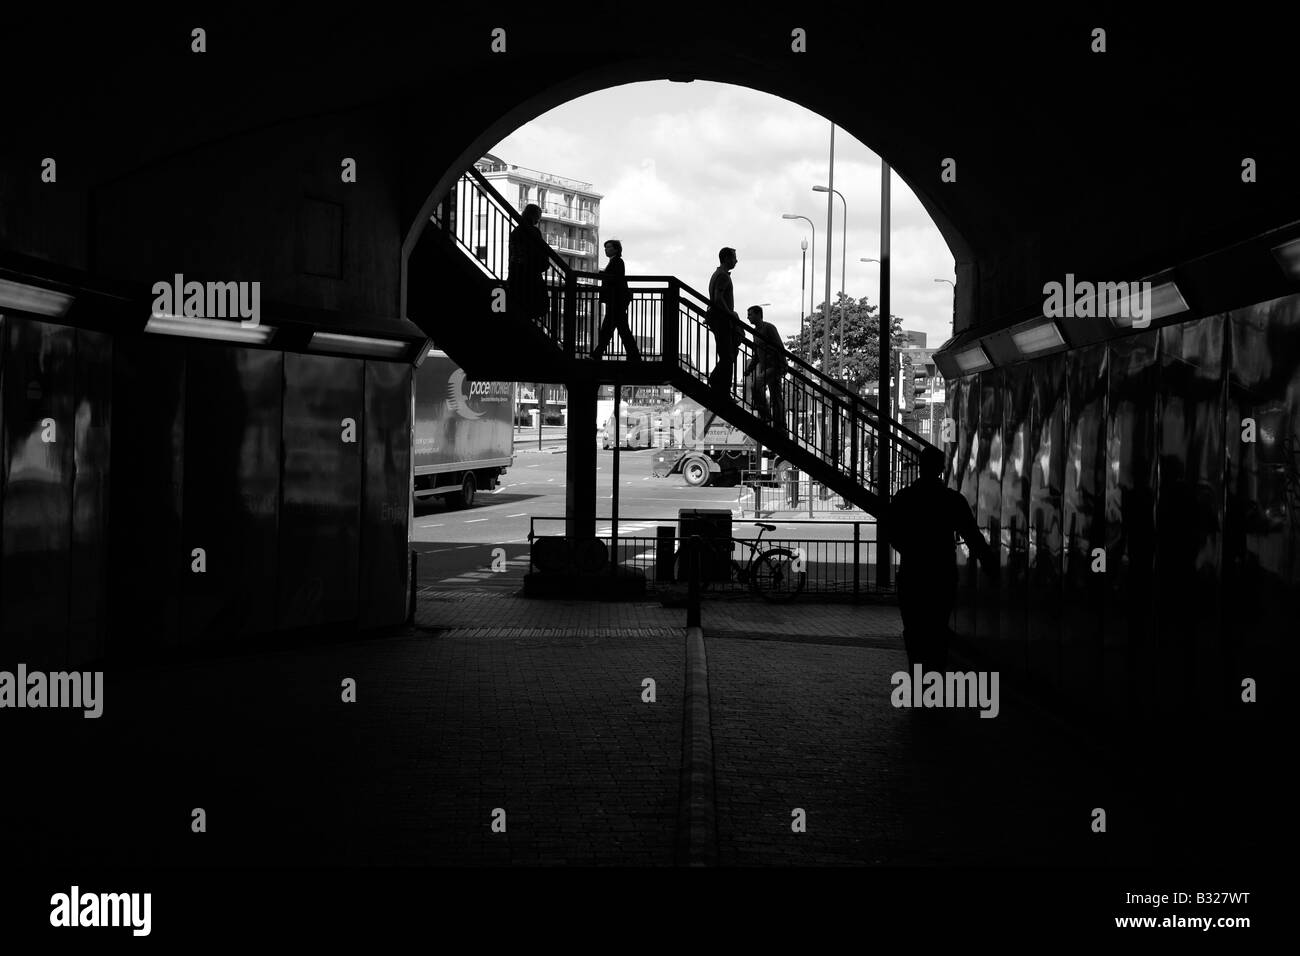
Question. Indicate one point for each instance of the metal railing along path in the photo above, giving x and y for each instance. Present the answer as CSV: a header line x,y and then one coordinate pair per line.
x,y
840,565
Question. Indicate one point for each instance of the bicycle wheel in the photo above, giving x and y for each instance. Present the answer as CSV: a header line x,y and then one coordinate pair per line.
x,y
773,576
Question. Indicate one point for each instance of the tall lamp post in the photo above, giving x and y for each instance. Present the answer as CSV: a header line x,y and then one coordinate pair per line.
x,y
790,215
830,222
877,262
844,261
803,276
954,292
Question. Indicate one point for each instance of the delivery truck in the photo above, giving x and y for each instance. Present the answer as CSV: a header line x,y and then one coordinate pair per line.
x,y
464,435
704,448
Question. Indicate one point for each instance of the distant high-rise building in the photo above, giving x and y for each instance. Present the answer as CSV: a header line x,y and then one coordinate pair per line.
x,y
570,209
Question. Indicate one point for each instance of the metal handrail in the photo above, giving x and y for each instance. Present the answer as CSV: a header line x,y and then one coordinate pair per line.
x,y
510,212
671,316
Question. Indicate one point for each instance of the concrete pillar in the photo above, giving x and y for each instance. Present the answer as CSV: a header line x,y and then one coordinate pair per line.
x,y
580,464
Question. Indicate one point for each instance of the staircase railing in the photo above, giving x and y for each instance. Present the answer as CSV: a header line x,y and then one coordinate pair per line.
x,y
480,222
821,417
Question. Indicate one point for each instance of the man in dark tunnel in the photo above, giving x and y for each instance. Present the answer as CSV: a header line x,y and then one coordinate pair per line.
x,y
920,523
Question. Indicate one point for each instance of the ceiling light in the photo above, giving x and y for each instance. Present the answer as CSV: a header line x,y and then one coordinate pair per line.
x,y
357,345
1038,338
972,359
31,298
165,324
1288,257
1165,300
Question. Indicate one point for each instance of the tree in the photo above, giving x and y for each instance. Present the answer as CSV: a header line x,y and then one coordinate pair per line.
x,y
861,342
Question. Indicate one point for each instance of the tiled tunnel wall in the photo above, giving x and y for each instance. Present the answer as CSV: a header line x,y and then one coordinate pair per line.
x,y
1137,447
122,456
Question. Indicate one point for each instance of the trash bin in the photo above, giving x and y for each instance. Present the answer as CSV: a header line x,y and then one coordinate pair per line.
x,y
713,525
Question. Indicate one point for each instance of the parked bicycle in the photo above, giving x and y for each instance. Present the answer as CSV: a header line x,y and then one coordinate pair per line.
x,y
775,574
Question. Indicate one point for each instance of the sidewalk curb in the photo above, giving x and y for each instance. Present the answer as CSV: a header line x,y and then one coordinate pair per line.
x,y
697,836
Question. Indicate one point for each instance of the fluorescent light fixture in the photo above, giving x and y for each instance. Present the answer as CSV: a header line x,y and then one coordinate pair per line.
x,y
357,345
219,329
1288,257
1166,300
1041,337
973,359
31,298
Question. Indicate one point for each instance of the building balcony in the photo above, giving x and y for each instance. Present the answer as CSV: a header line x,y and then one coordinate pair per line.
x,y
563,213
572,247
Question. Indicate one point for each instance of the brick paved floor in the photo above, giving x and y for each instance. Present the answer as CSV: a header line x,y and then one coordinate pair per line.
x,y
549,726
807,722
535,707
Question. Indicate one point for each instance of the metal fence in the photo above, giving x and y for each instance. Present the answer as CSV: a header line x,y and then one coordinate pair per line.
x,y
760,495
840,566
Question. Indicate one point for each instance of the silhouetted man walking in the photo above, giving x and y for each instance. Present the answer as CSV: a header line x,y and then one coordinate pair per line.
x,y
767,366
616,296
722,320
922,519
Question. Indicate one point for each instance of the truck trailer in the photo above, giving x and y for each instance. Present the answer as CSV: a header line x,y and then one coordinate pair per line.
x,y
464,433
704,448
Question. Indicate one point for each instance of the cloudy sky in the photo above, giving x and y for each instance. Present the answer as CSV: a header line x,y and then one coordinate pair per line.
x,y
686,168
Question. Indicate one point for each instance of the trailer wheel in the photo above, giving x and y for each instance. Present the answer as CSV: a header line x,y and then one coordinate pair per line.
x,y
465,497
696,472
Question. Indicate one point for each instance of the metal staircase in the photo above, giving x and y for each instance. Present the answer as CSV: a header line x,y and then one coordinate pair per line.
x,y
829,433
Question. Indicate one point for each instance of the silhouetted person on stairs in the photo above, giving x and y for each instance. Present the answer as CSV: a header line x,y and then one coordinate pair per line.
x,y
529,259
920,523
767,366
616,296
723,322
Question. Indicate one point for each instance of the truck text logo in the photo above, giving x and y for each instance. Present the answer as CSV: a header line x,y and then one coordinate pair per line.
x,y
459,397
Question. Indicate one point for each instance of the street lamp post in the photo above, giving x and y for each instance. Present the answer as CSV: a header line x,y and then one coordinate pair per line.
x,y
803,277
790,215
876,261
830,222
954,292
844,261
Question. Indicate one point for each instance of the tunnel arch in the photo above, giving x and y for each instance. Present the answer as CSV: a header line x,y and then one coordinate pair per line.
x,y
682,71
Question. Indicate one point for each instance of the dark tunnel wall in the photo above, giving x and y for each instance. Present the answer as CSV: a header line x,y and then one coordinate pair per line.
x,y
1137,451
39,444
236,451
290,223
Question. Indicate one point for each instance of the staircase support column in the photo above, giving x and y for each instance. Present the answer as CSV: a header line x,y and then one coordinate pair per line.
x,y
580,460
